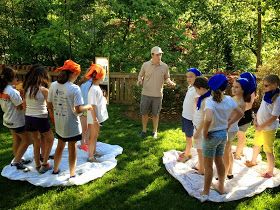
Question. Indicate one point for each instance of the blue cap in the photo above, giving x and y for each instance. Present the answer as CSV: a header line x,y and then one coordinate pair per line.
x,y
245,85
195,71
252,80
218,82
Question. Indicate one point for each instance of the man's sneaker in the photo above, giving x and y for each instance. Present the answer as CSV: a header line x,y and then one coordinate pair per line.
x,y
154,135
143,134
20,166
44,168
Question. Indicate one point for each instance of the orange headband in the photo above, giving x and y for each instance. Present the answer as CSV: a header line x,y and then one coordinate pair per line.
x,y
70,65
100,71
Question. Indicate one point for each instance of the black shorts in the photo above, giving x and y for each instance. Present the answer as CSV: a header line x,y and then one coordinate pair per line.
x,y
74,138
37,124
18,130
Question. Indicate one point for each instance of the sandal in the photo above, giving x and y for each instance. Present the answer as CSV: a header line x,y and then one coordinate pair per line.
x,y
55,173
183,158
250,164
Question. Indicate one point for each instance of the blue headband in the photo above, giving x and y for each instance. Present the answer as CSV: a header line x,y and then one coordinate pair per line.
x,y
195,71
251,79
218,82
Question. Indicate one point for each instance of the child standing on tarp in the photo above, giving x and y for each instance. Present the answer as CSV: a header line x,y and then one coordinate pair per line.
x,y
65,103
187,114
98,114
266,124
12,105
218,109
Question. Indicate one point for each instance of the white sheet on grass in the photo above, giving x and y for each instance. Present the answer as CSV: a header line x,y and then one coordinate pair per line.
x,y
246,182
85,171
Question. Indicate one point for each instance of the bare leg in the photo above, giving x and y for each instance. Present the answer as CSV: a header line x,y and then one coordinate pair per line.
x,y
16,142
241,143
221,173
24,143
256,151
48,139
58,154
36,146
188,146
84,130
208,174
200,162
145,119
228,158
72,152
155,123
94,131
270,163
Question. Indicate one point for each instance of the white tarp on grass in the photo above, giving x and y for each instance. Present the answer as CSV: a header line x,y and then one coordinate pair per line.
x,y
247,182
85,171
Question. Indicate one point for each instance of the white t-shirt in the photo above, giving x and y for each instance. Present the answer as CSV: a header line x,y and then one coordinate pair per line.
x,y
234,127
198,114
9,99
95,97
64,98
188,105
36,107
221,112
266,111
84,89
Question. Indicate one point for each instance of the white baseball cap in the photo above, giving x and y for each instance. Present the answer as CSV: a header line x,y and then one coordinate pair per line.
x,y
156,50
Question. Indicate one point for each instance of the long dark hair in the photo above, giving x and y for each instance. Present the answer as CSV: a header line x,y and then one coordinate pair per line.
x,y
201,82
7,75
36,77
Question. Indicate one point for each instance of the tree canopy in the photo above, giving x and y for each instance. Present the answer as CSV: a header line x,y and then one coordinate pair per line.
x,y
211,34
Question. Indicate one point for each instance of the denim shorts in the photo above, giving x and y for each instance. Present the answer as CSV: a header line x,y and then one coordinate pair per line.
x,y
187,127
214,145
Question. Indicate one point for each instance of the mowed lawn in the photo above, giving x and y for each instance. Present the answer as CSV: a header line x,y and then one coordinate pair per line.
x,y
139,181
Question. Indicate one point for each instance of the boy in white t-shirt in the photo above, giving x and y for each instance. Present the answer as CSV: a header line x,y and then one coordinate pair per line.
x,y
187,114
266,124
98,114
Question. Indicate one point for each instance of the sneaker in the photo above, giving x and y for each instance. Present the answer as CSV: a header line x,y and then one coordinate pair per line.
x,y
20,166
143,134
71,180
44,168
154,135
25,162
92,159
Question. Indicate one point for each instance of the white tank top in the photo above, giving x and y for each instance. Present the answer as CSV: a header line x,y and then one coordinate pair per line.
x,y
36,107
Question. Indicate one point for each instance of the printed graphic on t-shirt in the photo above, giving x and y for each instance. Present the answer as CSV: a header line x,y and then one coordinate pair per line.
x,y
60,102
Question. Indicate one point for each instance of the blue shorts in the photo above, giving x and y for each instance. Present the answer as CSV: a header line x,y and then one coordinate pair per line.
x,y
37,124
187,127
214,145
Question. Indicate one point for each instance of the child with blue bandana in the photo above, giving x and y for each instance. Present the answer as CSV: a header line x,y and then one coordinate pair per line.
x,y
187,114
266,124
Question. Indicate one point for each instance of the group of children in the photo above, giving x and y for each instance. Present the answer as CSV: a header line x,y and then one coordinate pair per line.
x,y
27,115
211,120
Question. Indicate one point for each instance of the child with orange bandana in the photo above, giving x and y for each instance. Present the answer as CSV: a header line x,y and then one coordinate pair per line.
x,y
65,103
98,114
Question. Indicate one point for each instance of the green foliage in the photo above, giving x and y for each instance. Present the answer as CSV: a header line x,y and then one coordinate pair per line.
x,y
205,34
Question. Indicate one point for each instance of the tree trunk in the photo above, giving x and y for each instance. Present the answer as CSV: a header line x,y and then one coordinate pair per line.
x,y
259,44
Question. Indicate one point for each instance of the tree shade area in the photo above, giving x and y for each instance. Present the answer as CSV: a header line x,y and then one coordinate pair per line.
x,y
211,35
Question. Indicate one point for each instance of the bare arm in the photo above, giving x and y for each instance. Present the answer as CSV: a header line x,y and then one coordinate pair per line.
x,y
207,122
236,115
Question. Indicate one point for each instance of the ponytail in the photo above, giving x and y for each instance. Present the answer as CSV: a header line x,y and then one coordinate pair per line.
x,y
217,95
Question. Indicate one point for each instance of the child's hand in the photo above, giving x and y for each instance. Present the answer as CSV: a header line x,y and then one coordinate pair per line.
x,y
205,134
89,107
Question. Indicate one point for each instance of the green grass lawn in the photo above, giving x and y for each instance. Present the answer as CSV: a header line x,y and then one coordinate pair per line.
x,y
139,181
